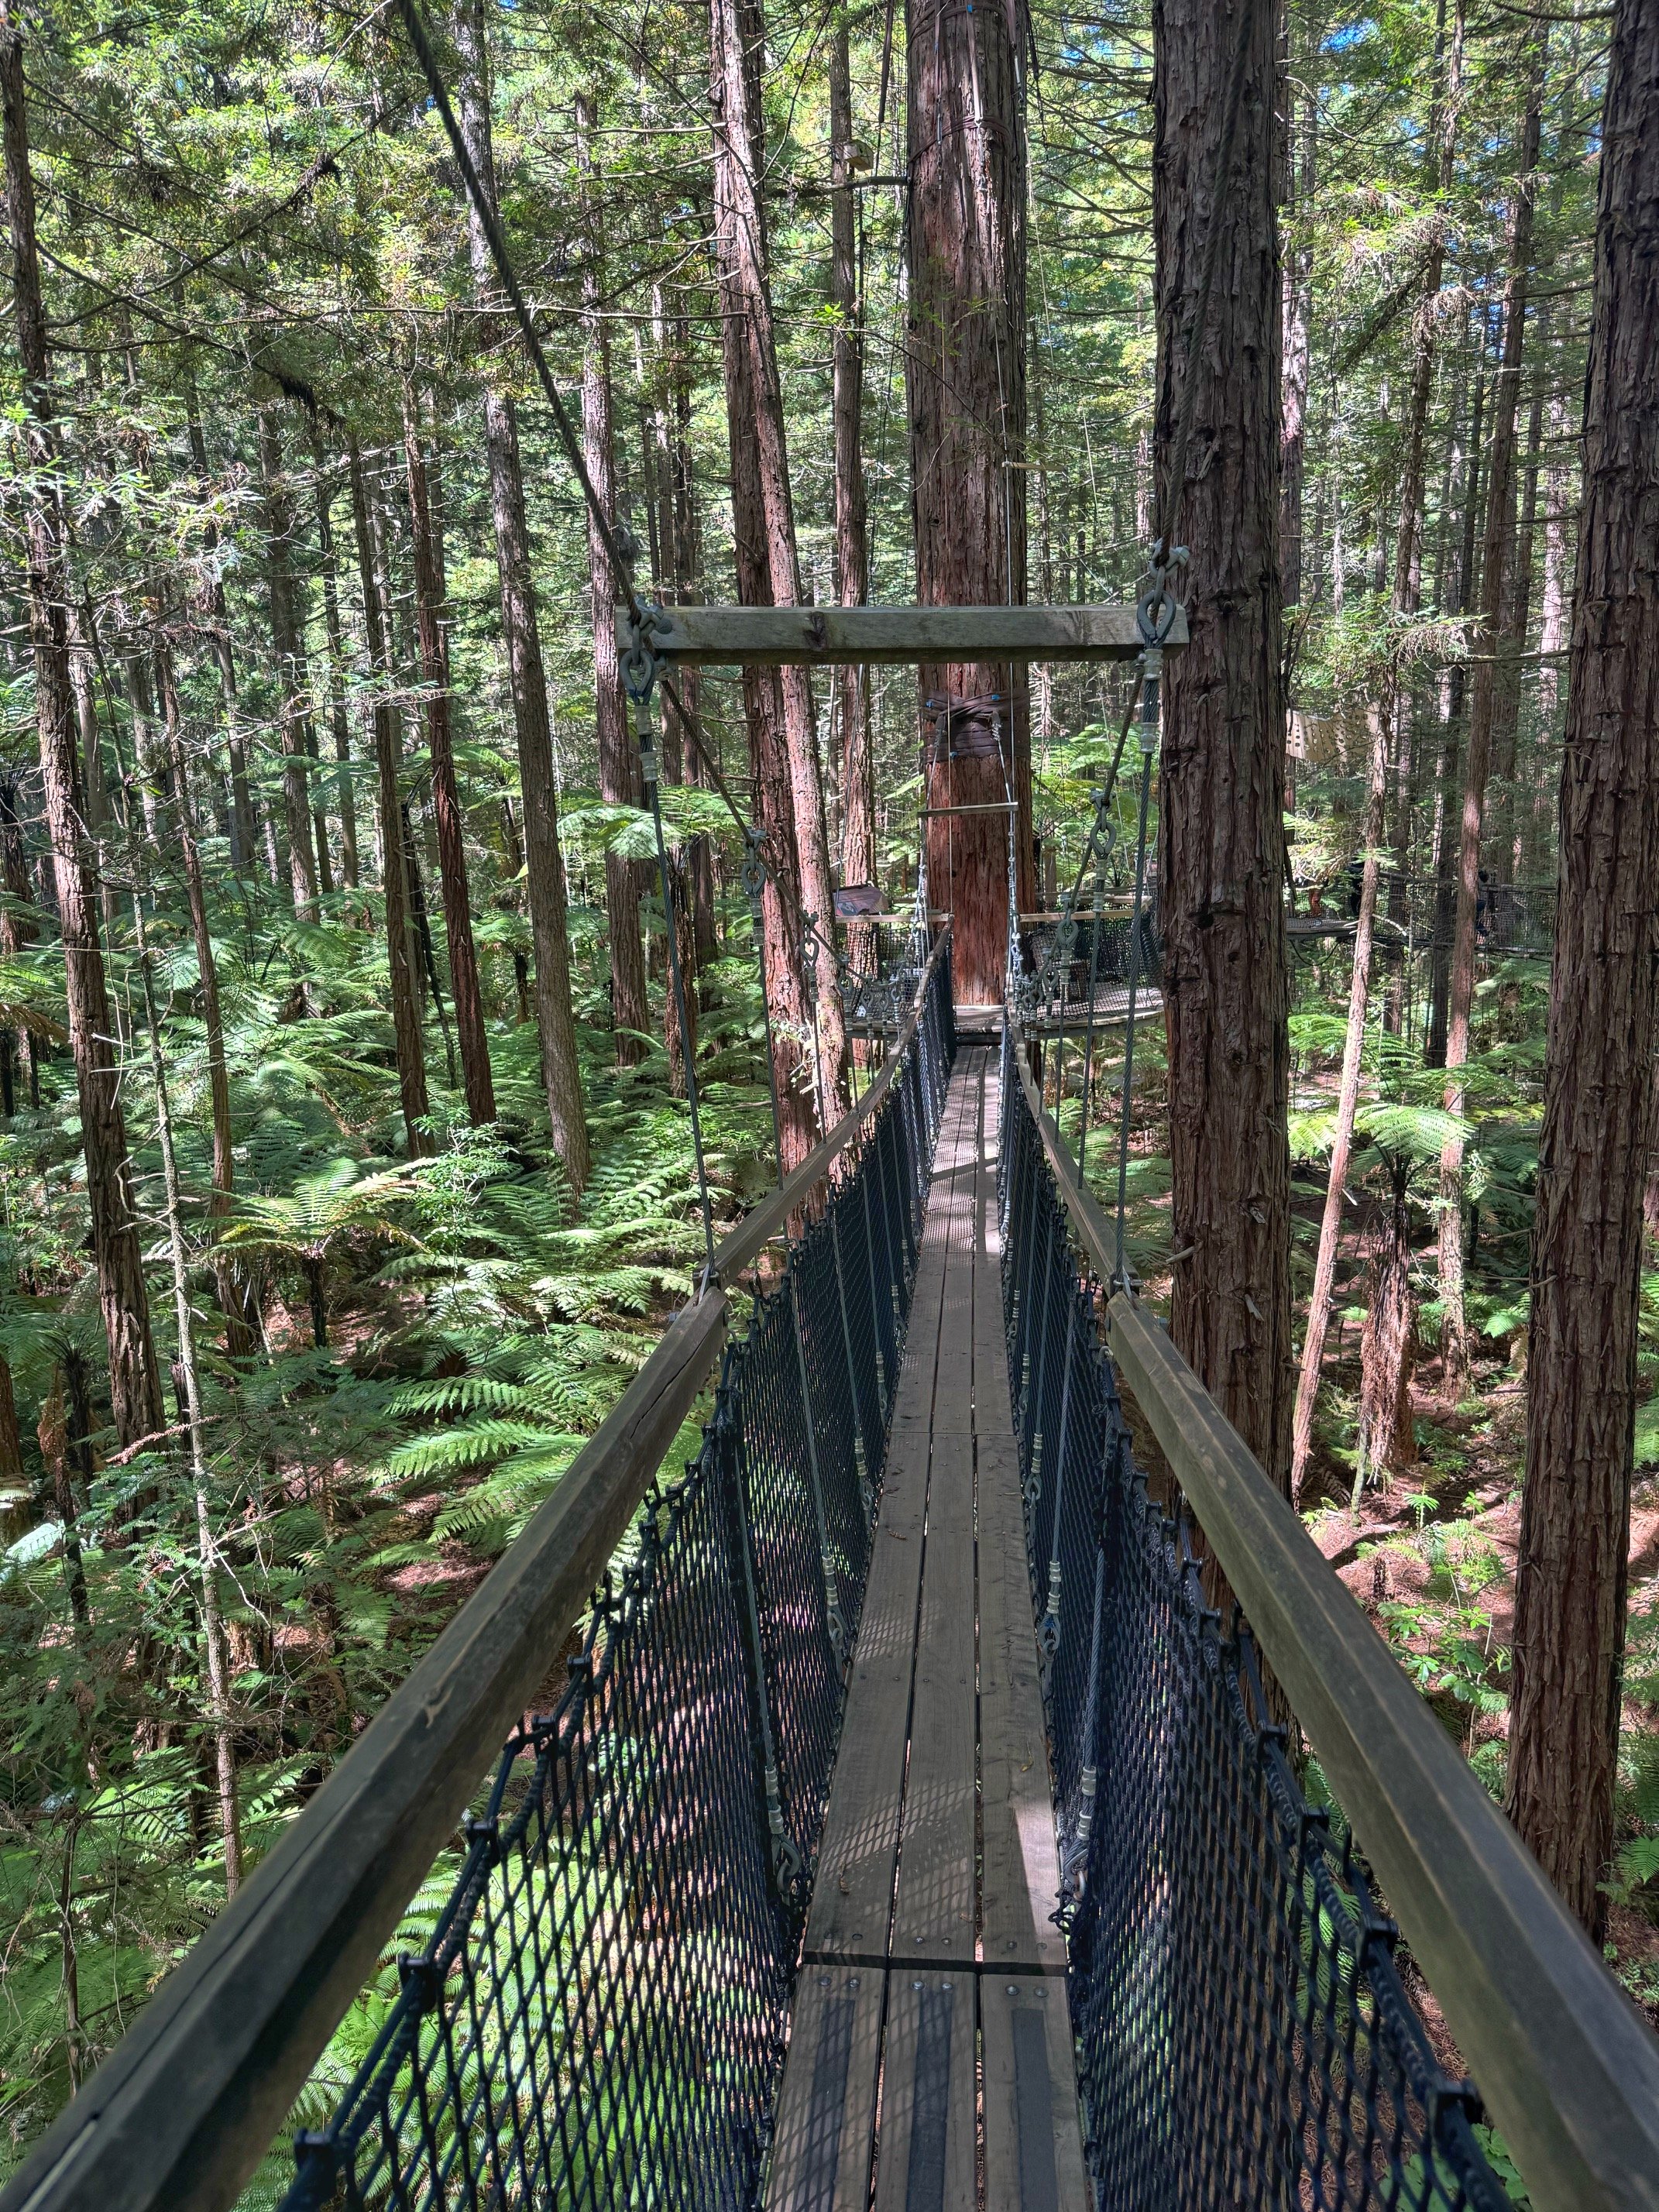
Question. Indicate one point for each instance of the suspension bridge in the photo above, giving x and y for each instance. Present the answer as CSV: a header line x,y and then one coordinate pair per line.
x,y
882,1815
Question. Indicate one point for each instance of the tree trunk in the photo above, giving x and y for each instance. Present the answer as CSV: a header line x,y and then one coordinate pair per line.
x,y
1494,568
619,767
1298,313
685,568
244,828
1387,1347
857,844
347,799
768,565
556,1020
1581,1386
15,932
965,374
287,635
1347,1101
135,1383
1453,694
233,1303
1221,854
394,869
1512,644
470,1034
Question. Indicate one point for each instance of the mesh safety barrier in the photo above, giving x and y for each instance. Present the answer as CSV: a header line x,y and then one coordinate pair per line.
x,y
1244,2037
599,2019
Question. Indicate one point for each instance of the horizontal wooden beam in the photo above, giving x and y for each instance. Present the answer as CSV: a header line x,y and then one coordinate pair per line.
x,y
1569,2071
758,637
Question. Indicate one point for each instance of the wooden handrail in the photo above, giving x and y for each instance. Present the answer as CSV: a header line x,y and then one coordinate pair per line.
x,y
1567,2067
184,2107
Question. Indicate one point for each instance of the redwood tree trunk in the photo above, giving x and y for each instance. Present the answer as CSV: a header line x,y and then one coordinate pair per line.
x,y
619,767
777,702
135,1383
1496,550
965,371
399,929
430,593
1221,827
287,635
857,844
556,1021
1587,1238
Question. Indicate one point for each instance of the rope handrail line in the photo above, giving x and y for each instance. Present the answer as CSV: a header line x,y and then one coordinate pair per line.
x,y
182,2110
1567,2069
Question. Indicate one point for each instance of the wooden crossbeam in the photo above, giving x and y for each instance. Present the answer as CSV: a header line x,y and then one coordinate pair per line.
x,y
774,637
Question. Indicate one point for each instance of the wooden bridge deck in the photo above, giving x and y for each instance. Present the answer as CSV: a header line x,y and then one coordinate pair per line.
x,y
930,2063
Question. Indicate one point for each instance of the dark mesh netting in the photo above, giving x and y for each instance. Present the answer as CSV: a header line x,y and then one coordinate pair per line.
x,y
599,2017
1243,2035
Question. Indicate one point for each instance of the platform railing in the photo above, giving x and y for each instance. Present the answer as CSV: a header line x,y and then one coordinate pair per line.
x,y
1245,2035
598,2016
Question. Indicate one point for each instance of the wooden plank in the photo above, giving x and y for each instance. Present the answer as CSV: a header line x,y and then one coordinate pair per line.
x,y
925,2160
763,636
852,1893
826,2120
1020,1862
935,1911
1033,2134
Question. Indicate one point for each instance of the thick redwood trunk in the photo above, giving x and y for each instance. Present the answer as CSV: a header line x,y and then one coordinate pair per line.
x,y
619,766
1496,549
470,1035
399,927
556,1021
965,371
287,635
1582,1385
1221,828
135,1383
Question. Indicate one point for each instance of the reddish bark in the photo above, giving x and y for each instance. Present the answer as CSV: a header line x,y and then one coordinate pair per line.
x,y
134,1383
1581,1386
965,373
1221,828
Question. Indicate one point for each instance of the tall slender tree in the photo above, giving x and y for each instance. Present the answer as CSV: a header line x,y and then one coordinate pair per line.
x,y
619,767
1497,552
430,592
783,724
400,940
1582,1390
857,846
135,1381
556,1020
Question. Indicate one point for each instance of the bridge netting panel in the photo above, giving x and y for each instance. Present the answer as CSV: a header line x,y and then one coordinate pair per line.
x,y
599,2019
1244,2036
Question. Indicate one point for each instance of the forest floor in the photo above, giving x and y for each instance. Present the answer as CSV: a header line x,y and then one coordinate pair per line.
x,y
1431,1557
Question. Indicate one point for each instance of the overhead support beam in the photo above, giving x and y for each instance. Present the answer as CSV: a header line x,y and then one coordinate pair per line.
x,y
759,637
